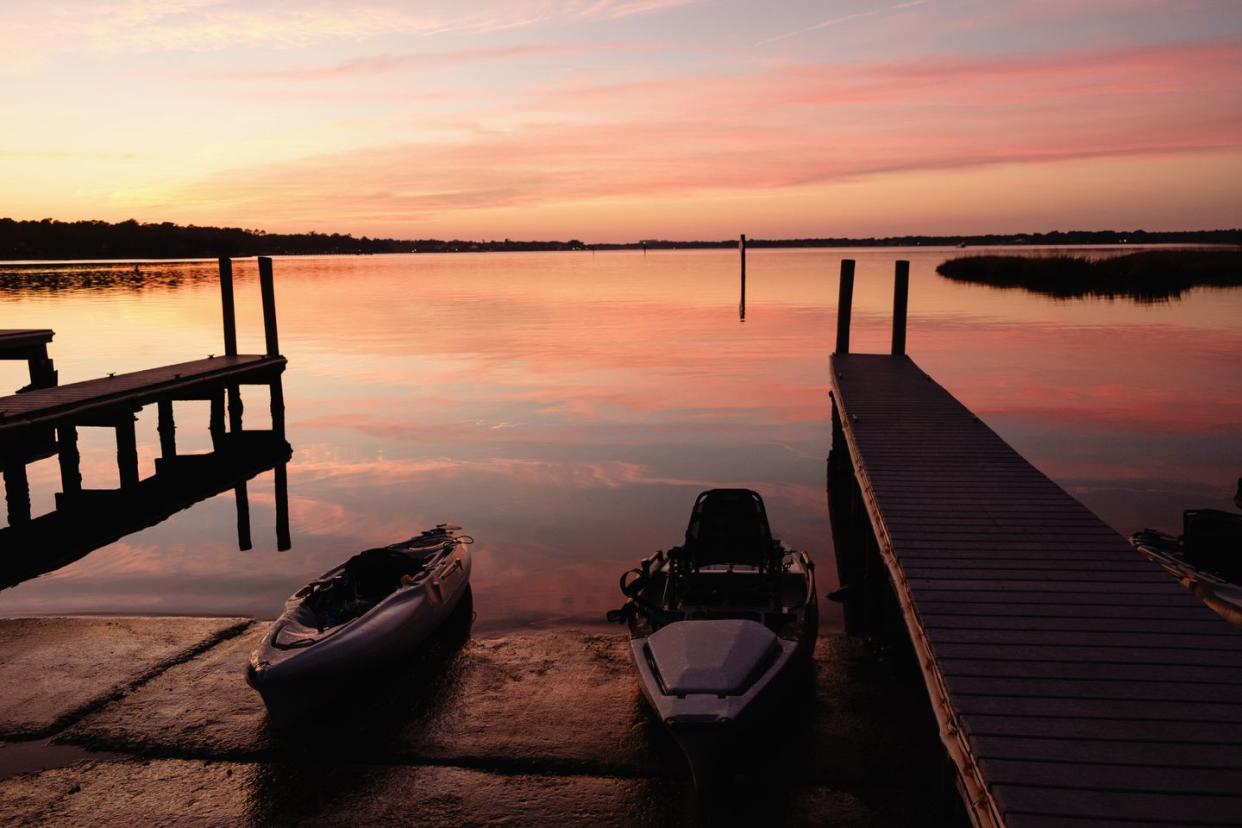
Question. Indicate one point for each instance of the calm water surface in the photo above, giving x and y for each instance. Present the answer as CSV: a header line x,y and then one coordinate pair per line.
x,y
566,408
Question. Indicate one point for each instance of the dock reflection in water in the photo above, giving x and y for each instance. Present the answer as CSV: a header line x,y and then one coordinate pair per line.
x,y
564,408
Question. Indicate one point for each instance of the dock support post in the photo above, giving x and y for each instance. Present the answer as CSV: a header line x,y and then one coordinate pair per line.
x,y
69,459
42,372
901,294
217,419
230,338
281,478
226,306
741,308
167,429
243,517
278,408
127,452
17,492
845,301
268,290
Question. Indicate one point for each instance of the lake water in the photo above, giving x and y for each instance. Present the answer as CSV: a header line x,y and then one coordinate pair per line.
x,y
565,408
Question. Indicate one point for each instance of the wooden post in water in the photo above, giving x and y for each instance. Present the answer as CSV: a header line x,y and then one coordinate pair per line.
x,y
269,305
217,420
901,293
127,452
281,478
69,459
741,308
243,517
226,306
167,429
845,299
230,338
17,491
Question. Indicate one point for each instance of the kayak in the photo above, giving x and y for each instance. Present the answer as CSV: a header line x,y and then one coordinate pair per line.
x,y
717,624
1206,558
363,615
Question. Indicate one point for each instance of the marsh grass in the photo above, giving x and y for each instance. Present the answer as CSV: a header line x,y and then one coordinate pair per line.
x,y
1149,276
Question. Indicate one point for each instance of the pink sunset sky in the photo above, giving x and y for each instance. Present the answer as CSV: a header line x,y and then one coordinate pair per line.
x,y
612,120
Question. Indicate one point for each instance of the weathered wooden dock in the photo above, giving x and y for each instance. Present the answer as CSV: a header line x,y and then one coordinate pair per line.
x,y
1074,682
44,419
30,346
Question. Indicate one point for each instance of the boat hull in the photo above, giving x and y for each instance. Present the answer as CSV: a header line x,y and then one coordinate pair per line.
x,y
293,682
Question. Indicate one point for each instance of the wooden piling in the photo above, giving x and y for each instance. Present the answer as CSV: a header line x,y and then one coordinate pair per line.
x,y
69,459
17,492
242,497
267,288
217,419
845,301
167,429
901,293
226,306
127,452
281,478
741,308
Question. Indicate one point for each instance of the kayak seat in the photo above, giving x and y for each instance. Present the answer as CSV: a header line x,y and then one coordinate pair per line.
x,y
723,656
729,526
1212,540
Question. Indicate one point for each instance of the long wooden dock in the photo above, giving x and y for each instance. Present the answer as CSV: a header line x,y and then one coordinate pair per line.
x,y
1074,682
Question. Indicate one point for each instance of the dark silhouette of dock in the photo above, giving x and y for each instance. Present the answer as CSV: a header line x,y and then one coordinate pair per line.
x,y
43,420
1073,681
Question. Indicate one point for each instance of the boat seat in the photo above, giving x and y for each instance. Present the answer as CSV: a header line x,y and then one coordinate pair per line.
x,y
717,656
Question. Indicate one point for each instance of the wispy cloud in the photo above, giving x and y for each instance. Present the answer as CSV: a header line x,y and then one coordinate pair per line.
x,y
844,18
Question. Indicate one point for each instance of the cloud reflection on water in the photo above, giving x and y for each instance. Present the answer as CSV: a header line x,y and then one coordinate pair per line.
x,y
566,408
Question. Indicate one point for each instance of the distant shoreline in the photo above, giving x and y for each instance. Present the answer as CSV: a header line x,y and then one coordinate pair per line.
x,y
49,240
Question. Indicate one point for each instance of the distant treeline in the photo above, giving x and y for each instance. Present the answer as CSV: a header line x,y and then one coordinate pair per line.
x,y
50,239
1147,276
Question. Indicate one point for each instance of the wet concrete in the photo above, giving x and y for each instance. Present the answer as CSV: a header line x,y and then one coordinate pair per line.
x,y
54,669
529,728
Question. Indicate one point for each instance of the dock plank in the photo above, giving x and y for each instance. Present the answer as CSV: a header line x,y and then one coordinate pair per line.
x,y
1076,682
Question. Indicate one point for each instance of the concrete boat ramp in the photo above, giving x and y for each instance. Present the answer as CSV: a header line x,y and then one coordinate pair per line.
x,y
149,721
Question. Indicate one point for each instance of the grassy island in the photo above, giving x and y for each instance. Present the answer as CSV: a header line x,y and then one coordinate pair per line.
x,y
1149,276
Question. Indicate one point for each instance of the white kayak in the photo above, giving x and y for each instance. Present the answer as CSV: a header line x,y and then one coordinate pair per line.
x,y
363,615
716,626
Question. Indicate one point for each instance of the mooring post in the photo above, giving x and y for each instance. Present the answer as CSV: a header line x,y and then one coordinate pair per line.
x,y
741,308
901,293
167,429
845,299
269,305
278,408
127,452
243,517
281,479
230,337
69,459
17,491
217,419
226,306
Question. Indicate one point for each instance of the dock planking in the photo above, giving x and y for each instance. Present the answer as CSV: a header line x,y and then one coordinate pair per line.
x,y
1074,681
80,401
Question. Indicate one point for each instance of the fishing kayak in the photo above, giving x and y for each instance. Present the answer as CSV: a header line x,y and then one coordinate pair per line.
x,y
360,616
1206,558
716,624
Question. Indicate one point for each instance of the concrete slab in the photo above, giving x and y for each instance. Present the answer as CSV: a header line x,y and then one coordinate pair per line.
x,y
53,670
190,792
536,701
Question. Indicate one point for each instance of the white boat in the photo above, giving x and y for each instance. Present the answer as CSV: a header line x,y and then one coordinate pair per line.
x,y
1206,558
717,625
365,614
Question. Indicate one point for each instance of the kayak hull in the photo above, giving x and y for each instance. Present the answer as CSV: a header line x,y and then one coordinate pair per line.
x,y
293,680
